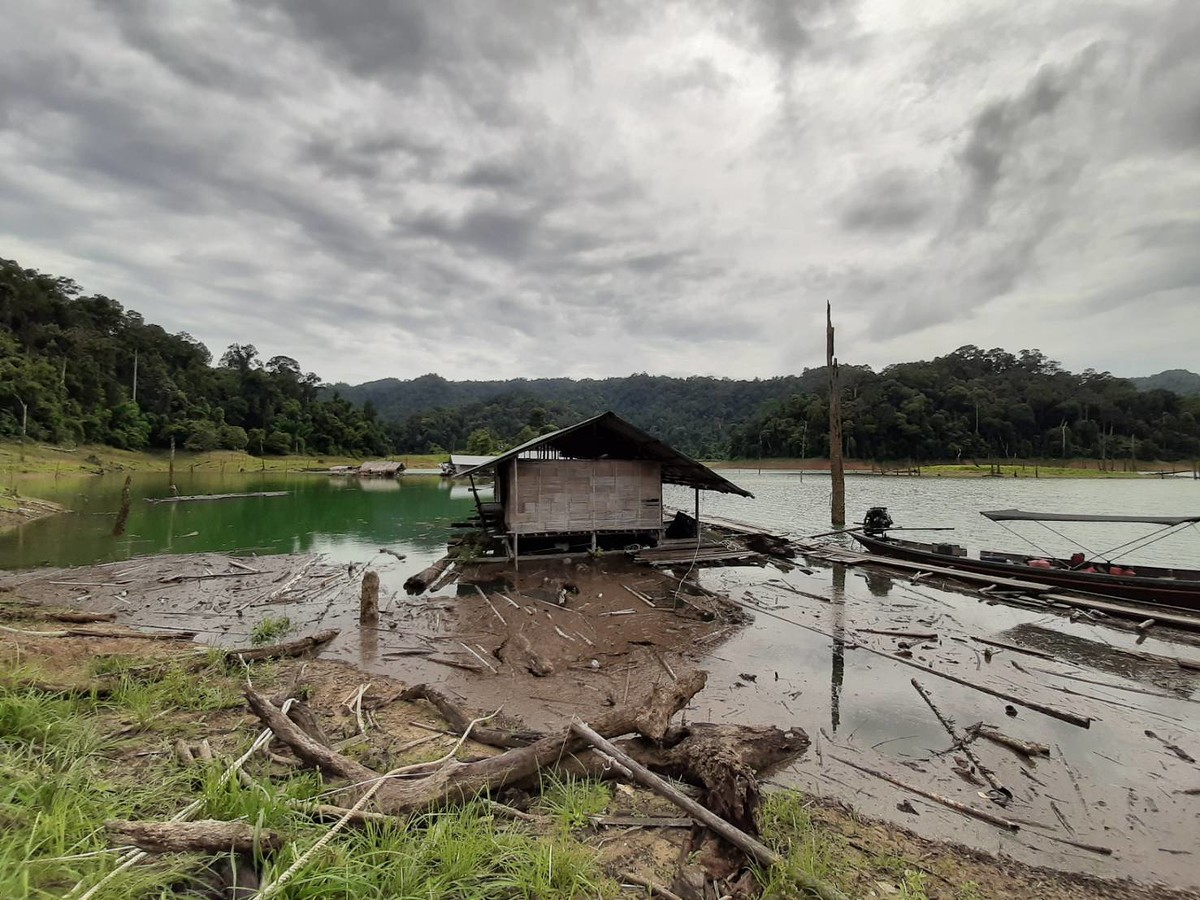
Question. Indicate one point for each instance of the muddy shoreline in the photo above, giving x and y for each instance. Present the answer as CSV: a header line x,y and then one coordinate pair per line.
x,y
1111,785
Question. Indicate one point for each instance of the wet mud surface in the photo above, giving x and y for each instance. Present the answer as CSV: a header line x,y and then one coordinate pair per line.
x,y
799,652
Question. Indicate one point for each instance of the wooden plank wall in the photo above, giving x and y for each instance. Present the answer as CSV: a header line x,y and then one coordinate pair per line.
x,y
548,496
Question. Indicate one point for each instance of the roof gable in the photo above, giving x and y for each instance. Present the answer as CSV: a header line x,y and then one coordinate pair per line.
x,y
608,436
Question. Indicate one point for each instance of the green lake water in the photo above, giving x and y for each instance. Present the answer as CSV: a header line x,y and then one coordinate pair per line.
x,y
348,519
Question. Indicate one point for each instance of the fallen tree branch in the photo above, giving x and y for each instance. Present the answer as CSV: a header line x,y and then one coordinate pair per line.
x,y
457,719
656,890
1014,647
1025,748
202,836
983,815
72,616
196,498
106,633
961,744
454,781
913,635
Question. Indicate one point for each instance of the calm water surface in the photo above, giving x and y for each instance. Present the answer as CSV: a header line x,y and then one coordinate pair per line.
x,y
348,519
798,505
351,519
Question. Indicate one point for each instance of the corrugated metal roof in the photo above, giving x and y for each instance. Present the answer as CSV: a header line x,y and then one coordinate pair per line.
x,y
461,459
608,436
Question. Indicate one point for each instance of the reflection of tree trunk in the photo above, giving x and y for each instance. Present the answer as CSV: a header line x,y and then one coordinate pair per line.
x,y
837,668
123,514
24,422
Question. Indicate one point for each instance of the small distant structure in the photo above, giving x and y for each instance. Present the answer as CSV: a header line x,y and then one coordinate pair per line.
x,y
343,470
381,469
460,463
595,484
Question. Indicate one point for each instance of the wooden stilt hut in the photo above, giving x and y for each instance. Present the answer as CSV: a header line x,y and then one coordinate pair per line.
x,y
595,484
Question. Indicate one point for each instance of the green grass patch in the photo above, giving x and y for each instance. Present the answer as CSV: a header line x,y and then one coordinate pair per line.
x,y
572,801
270,629
786,824
62,776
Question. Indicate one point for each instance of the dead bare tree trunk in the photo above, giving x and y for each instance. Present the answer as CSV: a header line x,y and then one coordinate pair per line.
x,y
837,473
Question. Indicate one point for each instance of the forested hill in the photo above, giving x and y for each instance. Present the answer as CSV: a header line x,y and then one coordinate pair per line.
x,y
1180,381
969,404
696,414
82,369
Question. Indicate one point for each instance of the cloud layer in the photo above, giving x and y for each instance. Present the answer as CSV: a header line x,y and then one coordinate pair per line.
x,y
595,188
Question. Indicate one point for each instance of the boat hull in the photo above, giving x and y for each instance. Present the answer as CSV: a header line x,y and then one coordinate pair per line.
x,y
1178,593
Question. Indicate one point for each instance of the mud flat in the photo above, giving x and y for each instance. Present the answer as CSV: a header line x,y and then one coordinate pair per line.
x,y
814,649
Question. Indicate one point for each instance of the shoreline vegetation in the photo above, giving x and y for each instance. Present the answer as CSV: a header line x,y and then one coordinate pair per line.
x,y
46,459
1071,468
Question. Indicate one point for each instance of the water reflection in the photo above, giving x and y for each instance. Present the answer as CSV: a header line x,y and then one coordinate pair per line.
x,y
348,518
837,666
879,584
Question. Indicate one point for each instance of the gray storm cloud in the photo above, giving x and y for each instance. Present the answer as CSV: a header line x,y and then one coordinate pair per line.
x,y
581,188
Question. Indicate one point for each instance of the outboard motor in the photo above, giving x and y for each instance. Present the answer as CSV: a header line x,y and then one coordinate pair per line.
x,y
876,521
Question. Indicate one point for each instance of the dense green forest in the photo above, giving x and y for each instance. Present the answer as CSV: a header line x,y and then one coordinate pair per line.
x,y
696,414
970,404
976,404
82,369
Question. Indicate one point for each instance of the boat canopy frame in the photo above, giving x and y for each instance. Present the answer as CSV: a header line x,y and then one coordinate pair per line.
x,y
1018,515
1168,525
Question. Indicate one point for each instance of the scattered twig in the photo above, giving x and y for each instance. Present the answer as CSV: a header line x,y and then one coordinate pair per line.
x,y
1174,748
983,815
960,743
478,657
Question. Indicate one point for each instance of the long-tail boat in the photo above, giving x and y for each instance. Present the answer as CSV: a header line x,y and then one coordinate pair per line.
x,y
1174,587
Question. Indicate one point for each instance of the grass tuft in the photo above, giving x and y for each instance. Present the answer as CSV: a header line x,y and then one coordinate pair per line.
x,y
572,801
270,629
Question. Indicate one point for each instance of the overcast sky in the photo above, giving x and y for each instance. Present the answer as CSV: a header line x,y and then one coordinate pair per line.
x,y
501,189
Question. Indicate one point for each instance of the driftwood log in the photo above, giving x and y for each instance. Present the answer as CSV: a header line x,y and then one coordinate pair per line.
x,y
454,781
723,760
71,616
202,836
417,584
458,720
83,631
298,647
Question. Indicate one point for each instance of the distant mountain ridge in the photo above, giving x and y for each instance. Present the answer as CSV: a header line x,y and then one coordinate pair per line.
x,y
696,413
1178,381
969,403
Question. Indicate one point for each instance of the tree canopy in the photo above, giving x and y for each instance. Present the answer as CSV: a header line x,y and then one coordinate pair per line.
x,y
82,369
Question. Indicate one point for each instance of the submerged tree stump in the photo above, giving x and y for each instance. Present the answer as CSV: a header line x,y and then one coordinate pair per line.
x,y
368,606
